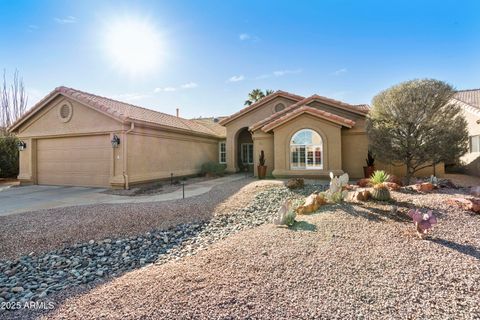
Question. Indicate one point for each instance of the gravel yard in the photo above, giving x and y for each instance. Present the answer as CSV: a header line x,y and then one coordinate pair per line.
x,y
345,261
43,230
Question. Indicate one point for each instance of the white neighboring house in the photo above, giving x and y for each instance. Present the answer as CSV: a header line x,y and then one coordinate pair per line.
x,y
470,102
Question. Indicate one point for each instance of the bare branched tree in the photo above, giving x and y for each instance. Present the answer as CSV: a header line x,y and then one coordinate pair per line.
x,y
13,100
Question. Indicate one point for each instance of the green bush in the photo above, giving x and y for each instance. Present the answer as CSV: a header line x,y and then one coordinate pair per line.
x,y
213,168
8,157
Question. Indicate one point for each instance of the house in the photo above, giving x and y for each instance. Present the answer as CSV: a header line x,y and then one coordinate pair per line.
x,y
80,139
469,100
76,138
303,136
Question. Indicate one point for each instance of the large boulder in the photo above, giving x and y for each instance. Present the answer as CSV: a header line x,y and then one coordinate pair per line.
x,y
391,186
295,183
425,187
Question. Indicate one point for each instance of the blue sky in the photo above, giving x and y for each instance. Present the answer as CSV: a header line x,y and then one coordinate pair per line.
x,y
210,54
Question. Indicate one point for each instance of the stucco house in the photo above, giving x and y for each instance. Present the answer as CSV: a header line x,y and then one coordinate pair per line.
x,y
80,139
469,100
76,138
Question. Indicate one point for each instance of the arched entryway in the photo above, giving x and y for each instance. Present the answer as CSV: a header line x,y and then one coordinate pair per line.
x,y
244,150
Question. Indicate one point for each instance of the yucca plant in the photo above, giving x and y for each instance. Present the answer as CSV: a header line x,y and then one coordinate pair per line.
x,y
379,177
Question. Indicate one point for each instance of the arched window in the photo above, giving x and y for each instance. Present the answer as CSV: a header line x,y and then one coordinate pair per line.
x,y
306,150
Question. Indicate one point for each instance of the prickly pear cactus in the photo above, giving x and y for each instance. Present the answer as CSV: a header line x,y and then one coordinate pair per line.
x,y
381,193
336,192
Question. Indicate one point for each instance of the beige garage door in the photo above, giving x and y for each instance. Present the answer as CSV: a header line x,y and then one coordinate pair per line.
x,y
76,161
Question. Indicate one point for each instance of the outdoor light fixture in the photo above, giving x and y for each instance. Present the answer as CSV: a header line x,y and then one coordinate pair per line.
x,y
21,145
115,141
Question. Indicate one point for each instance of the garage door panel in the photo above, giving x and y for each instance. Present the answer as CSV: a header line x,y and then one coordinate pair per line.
x,y
75,161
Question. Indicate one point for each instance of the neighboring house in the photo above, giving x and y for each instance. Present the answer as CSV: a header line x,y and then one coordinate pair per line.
x,y
469,100
68,137
80,139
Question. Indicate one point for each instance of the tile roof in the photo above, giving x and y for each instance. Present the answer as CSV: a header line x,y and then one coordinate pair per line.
x,y
122,111
471,97
213,124
359,108
310,110
278,93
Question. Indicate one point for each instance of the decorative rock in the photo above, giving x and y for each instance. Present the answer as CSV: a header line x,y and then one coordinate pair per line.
x,y
425,187
395,180
391,186
17,289
363,183
295,183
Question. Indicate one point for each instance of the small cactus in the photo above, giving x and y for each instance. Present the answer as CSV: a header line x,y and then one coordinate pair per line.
x,y
380,193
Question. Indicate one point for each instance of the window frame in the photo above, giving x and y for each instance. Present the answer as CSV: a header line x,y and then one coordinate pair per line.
x,y
309,152
471,143
249,152
220,152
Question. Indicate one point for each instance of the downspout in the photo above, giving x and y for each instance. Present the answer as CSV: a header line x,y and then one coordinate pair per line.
x,y
125,148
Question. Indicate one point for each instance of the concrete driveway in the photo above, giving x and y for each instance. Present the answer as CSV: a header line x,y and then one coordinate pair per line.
x,y
30,198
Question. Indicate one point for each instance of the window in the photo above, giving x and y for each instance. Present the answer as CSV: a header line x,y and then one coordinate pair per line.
x,y
306,149
247,153
222,155
475,144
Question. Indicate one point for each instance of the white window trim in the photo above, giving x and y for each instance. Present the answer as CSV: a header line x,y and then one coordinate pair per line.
x,y
470,144
307,166
248,152
220,152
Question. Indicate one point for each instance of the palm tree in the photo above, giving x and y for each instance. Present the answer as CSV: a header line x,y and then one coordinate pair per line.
x,y
256,95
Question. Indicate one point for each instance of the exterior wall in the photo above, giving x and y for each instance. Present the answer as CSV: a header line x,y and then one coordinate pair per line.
x,y
354,152
246,121
471,160
47,124
155,154
263,141
332,150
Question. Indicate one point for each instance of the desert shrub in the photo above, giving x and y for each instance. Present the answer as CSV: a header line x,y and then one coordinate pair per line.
x,y
379,177
8,157
213,168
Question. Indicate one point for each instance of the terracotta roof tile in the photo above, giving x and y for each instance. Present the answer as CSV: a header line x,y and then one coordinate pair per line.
x,y
359,108
123,111
310,110
261,102
471,97
213,124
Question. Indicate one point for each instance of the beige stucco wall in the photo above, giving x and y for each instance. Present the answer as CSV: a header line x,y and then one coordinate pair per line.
x,y
263,141
155,154
246,121
332,150
46,124
471,160
354,152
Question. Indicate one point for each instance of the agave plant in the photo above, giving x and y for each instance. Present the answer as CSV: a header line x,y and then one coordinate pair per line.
x,y
379,177
423,221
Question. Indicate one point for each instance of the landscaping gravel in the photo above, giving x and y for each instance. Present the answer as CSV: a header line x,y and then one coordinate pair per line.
x,y
360,260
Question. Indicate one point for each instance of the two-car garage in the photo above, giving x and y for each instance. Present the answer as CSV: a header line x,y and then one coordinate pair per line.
x,y
74,161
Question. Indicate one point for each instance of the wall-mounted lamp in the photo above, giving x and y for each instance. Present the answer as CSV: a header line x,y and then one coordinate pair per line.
x,y
115,141
21,145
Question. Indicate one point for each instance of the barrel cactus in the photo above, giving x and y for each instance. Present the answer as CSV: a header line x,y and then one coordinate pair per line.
x,y
380,192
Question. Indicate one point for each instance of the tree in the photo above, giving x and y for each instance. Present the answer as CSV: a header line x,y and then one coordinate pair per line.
x,y
415,123
13,101
256,95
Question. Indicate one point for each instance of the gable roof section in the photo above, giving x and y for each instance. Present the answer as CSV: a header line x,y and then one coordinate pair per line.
x,y
470,97
361,109
121,111
311,111
260,103
213,124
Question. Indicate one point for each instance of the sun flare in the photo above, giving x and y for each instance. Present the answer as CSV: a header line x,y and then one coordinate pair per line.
x,y
133,45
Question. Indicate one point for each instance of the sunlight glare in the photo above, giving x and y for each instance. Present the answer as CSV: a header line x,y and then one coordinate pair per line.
x,y
133,46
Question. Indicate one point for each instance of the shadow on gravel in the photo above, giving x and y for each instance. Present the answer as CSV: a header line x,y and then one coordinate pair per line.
x,y
462,248
303,226
374,214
